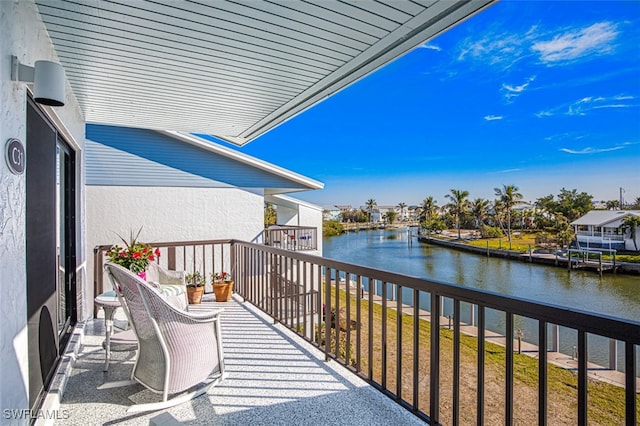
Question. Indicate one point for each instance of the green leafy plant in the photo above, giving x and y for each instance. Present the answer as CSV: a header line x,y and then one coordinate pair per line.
x,y
135,255
195,279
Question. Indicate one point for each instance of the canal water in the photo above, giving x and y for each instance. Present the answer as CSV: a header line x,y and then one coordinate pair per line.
x,y
392,250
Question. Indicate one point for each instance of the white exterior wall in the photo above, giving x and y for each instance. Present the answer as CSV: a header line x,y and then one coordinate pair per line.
x,y
312,216
171,214
22,34
628,242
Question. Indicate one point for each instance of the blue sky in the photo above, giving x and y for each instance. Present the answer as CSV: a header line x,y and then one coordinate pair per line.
x,y
539,94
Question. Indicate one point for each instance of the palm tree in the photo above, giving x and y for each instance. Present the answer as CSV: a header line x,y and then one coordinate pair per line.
x,y
402,206
371,205
613,205
458,204
509,195
428,208
632,223
479,210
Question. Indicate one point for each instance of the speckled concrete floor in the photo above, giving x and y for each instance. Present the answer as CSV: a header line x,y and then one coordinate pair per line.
x,y
274,378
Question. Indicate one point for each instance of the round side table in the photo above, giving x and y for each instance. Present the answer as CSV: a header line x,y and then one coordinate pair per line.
x,y
110,303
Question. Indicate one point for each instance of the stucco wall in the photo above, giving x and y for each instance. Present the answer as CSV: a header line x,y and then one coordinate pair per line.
x,y
312,216
21,34
171,214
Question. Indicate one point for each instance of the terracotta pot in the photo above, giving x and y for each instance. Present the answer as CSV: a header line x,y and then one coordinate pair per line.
x,y
223,291
194,294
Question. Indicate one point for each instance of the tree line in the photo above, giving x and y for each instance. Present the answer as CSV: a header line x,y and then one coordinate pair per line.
x,y
552,215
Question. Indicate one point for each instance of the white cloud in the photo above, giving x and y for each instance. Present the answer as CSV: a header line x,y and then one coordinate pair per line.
x,y
590,103
498,49
431,47
493,117
584,105
515,91
551,46
596,39
590,150
547,113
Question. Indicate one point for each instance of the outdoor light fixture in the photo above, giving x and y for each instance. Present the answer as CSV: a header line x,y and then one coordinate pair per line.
x,y
47,78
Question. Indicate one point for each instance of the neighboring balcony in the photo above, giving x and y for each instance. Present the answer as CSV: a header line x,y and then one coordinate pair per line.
x,y
449,371
599,236
294,238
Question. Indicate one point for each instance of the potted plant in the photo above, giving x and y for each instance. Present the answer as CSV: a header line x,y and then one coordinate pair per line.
x,y
135,255
195,287
222,286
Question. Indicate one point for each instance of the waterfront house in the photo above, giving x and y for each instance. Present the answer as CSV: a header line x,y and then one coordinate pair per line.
x,y
605,229
162,71
331,213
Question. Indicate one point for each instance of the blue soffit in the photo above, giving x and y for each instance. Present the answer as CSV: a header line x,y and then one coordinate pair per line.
x,y
140,157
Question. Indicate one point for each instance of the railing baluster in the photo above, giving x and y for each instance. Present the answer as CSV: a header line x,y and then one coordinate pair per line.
x,y
370,328
456,362
630,383
582,377
305,292
348,318
542,373
358,323
480,393
399,342
327,313
416,348
171,258
336,318
384,335
508,393
434,384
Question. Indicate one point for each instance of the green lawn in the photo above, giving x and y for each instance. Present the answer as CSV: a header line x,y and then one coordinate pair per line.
x,y
519,242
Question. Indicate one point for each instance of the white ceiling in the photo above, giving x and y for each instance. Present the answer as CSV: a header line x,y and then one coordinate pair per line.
x,y
231,69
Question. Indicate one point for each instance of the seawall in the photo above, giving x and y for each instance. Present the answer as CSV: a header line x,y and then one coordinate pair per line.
x,y
540,258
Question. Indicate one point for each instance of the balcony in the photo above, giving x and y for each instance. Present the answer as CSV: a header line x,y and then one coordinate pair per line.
x,y
599,236
295,238
443,372
274,378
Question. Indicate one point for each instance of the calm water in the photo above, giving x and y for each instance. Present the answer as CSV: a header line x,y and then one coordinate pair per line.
x,y
615,295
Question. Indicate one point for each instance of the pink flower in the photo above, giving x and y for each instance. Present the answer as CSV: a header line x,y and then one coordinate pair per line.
x,y
136,255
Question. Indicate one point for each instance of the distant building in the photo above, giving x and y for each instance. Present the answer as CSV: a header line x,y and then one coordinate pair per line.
x,y
605,229
331,213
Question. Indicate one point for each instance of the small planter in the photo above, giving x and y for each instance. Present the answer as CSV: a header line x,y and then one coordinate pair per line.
x,y
223,290
194,294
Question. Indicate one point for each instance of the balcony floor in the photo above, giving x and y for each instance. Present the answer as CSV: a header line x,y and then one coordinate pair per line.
x,y
274,377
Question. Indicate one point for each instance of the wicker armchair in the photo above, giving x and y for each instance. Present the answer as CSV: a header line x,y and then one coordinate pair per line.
x,y
179,351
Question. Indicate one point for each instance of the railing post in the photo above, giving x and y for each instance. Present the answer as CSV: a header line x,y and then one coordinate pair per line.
x,y
613,354
171,258
97,277
472,314
555,338
434,382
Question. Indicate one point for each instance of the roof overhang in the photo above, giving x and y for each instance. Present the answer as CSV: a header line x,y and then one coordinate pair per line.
x,y
306,182
234,70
